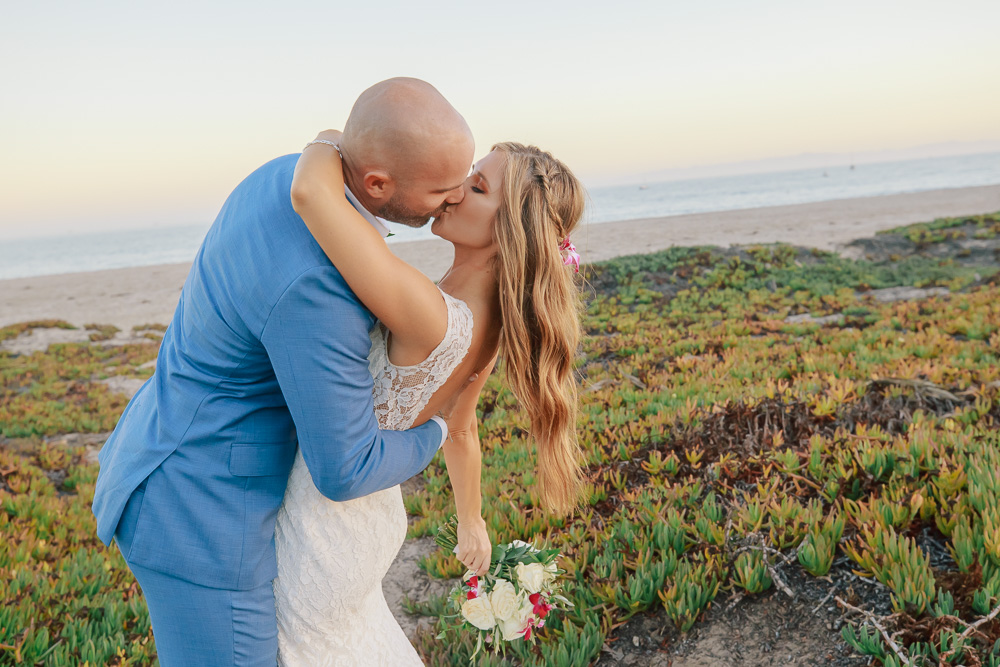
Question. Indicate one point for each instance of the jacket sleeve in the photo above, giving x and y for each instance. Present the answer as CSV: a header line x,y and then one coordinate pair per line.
x,y
316,337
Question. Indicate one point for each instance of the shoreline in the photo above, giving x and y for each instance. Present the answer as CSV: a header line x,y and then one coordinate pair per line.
x,y
133,296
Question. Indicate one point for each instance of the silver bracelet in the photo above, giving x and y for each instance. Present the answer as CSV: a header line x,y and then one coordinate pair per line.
x,y
336,146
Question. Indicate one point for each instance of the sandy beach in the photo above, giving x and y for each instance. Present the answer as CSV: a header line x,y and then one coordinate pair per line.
x,y
148,294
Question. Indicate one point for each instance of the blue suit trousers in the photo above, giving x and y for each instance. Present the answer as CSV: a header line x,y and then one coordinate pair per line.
x,y
198,625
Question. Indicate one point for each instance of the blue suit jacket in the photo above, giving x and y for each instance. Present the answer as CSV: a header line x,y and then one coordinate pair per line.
x,y
267,350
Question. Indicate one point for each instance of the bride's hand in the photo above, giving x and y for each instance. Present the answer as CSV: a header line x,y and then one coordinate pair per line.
x,y
474,548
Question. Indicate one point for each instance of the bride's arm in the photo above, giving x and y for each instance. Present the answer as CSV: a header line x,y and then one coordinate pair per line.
x,y
401,297
464,460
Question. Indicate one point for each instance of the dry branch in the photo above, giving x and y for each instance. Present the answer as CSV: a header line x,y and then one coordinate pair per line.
x,y
874,620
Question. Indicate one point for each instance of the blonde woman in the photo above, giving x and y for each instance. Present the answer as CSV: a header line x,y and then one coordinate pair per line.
x,y
510,293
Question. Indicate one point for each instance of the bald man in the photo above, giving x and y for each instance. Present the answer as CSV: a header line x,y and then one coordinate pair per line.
x,y
266,353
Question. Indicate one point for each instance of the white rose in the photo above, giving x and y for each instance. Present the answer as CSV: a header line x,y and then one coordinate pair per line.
x,y
478,612
504,600
531,576
513,627
551,572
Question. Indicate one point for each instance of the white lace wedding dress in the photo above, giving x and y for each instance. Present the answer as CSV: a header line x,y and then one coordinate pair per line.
x,y
332,555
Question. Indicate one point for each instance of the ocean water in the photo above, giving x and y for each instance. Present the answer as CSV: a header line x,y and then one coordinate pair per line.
x,y
729,193
142,247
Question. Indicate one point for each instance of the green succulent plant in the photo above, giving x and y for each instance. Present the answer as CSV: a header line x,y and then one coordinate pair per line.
x,y
897,562
750,572
818,549
690,591
865,640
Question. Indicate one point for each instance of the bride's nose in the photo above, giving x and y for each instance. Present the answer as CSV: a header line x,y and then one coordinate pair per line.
x,y
455,196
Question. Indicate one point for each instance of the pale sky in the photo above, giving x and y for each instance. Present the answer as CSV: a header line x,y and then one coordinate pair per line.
x,y
132,114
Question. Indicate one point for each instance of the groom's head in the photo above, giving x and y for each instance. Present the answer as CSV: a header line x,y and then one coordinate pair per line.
x,y
406,151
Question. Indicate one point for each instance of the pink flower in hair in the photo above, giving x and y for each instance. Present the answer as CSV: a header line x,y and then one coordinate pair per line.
x,y
569,253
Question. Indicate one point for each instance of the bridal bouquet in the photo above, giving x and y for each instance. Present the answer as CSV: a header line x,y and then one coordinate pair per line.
x,y
513,598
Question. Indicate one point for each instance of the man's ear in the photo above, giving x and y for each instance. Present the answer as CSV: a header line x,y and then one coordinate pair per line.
x,y
378,184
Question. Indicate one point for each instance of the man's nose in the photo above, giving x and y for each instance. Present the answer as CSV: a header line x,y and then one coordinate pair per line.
x,y
456,196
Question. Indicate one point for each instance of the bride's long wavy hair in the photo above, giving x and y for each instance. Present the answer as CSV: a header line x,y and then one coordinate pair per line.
x,y
540,310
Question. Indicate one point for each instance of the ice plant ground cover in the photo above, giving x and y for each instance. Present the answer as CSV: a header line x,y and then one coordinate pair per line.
x,y
744,413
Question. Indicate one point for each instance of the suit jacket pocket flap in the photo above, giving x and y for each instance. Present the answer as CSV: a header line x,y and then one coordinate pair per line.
x,y
261,459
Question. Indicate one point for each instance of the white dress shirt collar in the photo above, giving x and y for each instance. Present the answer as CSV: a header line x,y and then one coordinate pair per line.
x,y
375,222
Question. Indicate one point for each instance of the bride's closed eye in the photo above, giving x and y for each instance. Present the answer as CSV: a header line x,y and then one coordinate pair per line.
x,y
479,183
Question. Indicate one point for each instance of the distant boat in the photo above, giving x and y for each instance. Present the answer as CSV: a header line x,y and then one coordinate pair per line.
x,y
643,187
826,175
852,167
